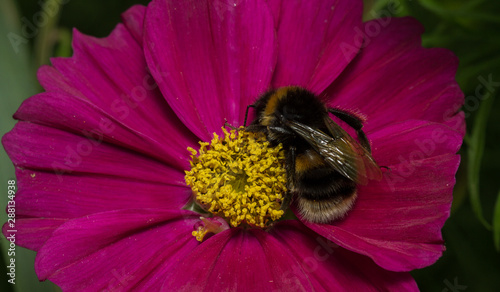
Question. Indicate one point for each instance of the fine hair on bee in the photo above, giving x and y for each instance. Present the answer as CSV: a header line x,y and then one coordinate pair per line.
x,y
324,164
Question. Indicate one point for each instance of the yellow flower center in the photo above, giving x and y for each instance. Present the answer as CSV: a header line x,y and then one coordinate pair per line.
x,y
239,177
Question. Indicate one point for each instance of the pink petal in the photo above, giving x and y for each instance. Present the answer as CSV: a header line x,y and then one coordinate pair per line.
x,y
38,147
42,194
238,260
115,250
108,78
32,233
313,37
455,121
133,19
192,276
330,268
210,58
80,116
254,260
394,79
413,140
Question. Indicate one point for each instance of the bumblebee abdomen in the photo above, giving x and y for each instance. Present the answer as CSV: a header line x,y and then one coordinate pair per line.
x,y
326,210
323,194
324,183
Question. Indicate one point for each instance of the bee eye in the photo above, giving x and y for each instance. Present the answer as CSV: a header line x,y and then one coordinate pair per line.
x,y
288,115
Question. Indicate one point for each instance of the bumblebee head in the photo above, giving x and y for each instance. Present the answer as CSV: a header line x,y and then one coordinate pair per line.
x,y
293,104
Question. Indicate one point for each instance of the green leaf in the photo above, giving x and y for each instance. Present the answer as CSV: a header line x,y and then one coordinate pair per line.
x,y
17,82
48,35
475,155
496,223
63,48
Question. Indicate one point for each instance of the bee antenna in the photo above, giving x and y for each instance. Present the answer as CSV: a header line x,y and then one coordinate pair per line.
x,y
246,114
228,125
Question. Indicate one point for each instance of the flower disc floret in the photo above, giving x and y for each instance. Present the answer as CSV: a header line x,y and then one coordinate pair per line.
x,y
239,177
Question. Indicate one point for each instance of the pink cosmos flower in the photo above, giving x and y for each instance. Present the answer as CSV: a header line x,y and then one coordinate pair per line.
x,y
100,155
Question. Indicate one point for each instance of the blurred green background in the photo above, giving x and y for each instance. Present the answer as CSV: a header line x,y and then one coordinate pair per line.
x,y
471,29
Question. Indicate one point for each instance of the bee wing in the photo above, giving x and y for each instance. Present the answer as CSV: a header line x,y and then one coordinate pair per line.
x,y
340,151
367,167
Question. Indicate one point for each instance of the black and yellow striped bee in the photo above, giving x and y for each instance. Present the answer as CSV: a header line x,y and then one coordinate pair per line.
x,y
324,164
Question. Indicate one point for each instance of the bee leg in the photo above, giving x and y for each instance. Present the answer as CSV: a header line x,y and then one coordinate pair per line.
x,y
228,125
290,173
256,128
246,114
287,199
356,123
280,130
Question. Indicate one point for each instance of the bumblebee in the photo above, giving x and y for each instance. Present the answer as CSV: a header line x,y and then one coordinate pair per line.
x,y
324,164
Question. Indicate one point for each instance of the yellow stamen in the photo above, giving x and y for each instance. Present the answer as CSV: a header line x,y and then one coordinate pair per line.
x,y
209,225
239,177
200,233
